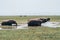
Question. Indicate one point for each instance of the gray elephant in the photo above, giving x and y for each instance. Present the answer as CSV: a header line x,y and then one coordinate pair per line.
x,y
9,23
34,23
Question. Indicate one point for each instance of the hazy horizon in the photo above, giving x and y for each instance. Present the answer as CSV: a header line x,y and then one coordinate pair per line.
x,y
29,7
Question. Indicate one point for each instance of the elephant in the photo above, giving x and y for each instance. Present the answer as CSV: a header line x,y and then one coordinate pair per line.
x,y
34,23
44,19
38,22
12,22
9,23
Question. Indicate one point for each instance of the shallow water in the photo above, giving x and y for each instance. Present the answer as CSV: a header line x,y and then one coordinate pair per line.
x,y
23,26
51,24
47,24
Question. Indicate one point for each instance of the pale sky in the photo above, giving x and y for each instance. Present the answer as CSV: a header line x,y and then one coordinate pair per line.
x,y
29,7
